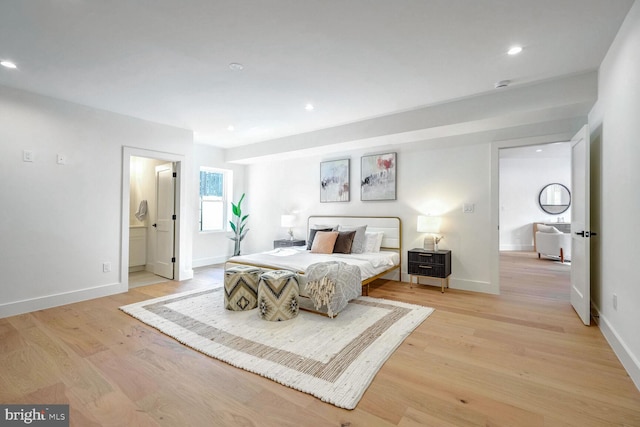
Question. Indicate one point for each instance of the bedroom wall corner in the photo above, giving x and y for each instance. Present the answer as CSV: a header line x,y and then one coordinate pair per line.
x,y
211,248
66,220
428,176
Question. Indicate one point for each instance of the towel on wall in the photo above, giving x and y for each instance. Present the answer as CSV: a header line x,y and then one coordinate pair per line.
x,y
142,211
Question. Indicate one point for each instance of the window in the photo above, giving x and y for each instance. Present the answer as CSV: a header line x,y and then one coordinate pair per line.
x,y
214,187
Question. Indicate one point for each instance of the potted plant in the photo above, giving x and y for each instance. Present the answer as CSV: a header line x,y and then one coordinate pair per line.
x,y
238,225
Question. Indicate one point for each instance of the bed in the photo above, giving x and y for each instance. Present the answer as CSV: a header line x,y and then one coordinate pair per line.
x,y
385,257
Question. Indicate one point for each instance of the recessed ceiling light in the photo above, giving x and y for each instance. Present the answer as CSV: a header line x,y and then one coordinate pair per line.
x,y
308,107
515,50
8,64
231,128
502,83
234,66
539,150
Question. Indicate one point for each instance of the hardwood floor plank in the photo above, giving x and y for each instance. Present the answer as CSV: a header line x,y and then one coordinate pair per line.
x,y
24,371
65,321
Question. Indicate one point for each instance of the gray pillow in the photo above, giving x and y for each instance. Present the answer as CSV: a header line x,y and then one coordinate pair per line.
x,y
357,247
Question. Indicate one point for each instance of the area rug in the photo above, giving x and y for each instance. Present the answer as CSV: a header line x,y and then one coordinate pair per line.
x,y
334,360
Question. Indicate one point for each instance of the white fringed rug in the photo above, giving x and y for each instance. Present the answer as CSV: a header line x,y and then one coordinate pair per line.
x,y
332,359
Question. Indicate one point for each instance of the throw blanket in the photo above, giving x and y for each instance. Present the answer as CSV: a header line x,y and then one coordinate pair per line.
x,y
332,285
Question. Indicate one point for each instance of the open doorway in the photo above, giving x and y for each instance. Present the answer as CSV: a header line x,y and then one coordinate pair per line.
x,y
151,205
534,237
144,176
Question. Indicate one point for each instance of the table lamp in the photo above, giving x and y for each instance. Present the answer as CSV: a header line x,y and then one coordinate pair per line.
x,y
288,221
430,225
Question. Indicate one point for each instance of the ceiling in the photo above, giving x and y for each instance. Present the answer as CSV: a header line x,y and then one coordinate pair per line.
x,y
538,151
167,61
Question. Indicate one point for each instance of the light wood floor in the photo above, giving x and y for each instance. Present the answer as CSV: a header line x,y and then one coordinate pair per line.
x,y
519,359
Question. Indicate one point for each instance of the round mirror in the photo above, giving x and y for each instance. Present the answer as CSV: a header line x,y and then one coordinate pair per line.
x,y
555,199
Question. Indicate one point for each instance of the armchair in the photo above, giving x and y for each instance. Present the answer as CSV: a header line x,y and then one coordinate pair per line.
x,y
552,242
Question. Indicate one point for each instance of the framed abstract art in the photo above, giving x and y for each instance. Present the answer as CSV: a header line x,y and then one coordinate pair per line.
x,y
334,181
378,177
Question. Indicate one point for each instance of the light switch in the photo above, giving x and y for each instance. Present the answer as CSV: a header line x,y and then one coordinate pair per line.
x,y
61,159
27,155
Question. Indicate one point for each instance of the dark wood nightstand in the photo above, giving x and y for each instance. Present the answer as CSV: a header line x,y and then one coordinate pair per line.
x,y
285,243
437,264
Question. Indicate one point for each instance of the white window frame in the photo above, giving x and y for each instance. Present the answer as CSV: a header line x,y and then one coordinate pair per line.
x,y
227,187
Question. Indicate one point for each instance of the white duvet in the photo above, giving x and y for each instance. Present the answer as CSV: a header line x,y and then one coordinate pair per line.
x,y
298,259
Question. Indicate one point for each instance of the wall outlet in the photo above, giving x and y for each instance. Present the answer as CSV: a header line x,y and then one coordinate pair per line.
x,y
61,159
27,155
615,301
106,267
468,207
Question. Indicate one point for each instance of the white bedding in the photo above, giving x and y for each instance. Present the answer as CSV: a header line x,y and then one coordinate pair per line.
x,y
298,259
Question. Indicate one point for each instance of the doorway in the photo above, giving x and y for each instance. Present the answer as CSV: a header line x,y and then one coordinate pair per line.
x,y
150,201
524,173
521,171
138,185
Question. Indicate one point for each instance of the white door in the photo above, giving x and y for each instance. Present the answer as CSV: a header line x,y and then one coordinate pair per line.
x,y
580,231
165,221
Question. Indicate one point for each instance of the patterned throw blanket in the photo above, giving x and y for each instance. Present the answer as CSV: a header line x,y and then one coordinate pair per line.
x,y
331,285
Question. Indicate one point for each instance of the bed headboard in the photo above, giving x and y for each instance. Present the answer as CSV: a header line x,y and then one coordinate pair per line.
x,y
391,226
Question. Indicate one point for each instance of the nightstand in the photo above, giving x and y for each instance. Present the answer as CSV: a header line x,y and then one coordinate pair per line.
x,y
430,264
285,243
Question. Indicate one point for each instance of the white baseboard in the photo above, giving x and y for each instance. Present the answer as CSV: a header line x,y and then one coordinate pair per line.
x,y
203,262
56,300
474,286
629,361
455,283
185,274
507,248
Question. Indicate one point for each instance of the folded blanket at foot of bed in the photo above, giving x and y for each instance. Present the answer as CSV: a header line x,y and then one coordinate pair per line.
x,y
331,285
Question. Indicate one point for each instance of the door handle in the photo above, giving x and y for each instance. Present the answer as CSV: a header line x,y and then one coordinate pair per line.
x,y
154,225
586,233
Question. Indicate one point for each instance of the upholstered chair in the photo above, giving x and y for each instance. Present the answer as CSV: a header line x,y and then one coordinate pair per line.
x,y
552,242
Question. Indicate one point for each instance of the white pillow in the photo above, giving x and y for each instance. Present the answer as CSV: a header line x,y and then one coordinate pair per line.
x,y
548,229
373,241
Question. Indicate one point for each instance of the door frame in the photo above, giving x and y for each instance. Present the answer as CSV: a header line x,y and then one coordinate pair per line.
x,y
181,242
495,194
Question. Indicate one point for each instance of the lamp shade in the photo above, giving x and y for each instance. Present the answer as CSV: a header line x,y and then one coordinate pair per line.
x,y
287,220
429,224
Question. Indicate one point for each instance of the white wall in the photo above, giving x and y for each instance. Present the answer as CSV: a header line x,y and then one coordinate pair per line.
x,y
521,180
430,180
615,201
212,247
60,223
